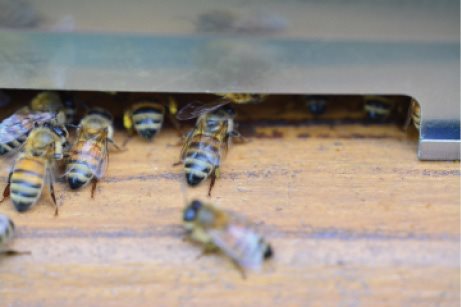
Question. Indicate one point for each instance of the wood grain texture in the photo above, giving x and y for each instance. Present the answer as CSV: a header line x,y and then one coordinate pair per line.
x,y
355,220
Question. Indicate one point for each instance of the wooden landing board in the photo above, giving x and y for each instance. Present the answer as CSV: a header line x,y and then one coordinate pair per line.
x,y
355,220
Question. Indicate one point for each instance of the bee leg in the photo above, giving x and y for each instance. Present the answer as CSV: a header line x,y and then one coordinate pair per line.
x,y
177,163
240,269
94,182
53,197
215,174
207,250
128,138
112,142
237,138
14,253
175,123
212,182
6,192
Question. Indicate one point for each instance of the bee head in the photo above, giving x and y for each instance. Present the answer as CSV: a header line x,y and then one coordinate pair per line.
x,y
60,131
191,211
229,110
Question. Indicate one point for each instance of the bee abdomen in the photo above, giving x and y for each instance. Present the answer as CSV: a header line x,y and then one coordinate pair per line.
x,y
79,174
199,164
12,145
26,184
148,121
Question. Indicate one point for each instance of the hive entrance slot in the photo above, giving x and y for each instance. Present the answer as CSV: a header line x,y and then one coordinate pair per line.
x,y
372,115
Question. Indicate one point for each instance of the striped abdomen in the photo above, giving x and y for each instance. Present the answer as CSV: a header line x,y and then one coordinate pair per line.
x,y
15,138
201,158
27,181
148,119
85,161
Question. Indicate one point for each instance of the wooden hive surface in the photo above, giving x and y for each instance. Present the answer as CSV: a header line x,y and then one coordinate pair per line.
x,y
354,218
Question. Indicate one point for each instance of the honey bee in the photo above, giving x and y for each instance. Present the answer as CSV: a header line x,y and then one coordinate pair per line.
x,y
204,144
146,118
224,231
34,166
378,108
317,105
45,107
47,102
197,108
89,154
7,230
70,108
414,115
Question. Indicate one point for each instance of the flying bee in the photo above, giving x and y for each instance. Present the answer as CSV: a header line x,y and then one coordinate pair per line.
x,y
7,230
223,231
414,115
204,144
89,154
317,105
35,165
45,107
378,108
146,118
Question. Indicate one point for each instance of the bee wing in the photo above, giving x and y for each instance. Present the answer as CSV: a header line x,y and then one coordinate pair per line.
x,y
225,145
239,241
196,130
196,108
103,163
21,123
14,126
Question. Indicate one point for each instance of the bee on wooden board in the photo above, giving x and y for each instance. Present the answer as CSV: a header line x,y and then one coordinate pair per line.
x,y
45,107
378,108
34,167
224,231
7,230
89,155
146,117
414,115
317,105
205,143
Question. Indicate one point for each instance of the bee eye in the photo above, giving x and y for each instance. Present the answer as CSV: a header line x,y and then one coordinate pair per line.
x,y
268,252
59,131
189,214
191,211
229,110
